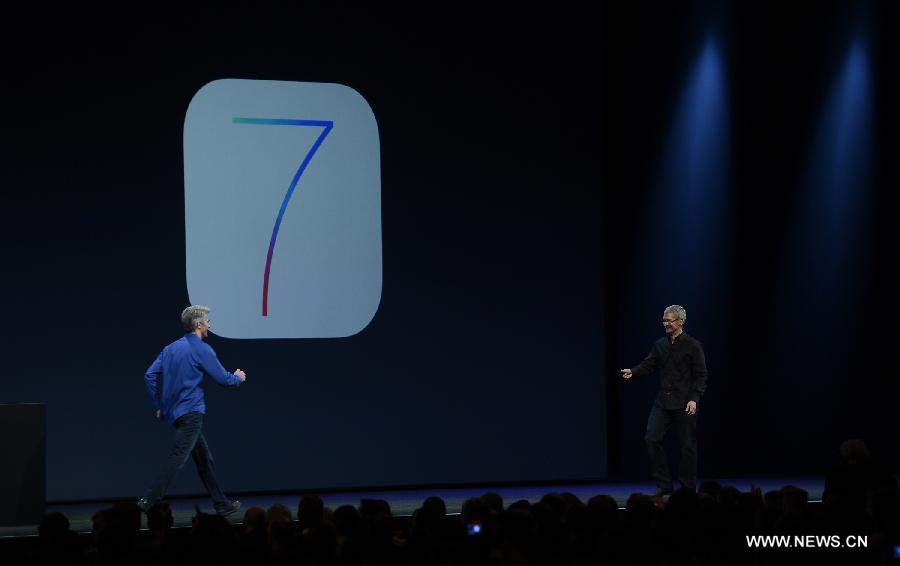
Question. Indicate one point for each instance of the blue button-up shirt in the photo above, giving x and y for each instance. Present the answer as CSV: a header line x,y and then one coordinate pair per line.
x,y
181,367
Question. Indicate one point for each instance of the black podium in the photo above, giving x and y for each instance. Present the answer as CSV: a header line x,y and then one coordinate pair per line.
x,y
23,452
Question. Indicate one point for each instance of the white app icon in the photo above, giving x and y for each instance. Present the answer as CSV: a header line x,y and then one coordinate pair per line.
x,y
282,205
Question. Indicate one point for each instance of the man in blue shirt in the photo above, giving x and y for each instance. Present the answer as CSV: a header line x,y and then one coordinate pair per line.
x,y
174,385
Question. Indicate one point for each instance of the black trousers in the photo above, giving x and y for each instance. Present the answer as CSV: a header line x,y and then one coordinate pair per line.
x,y
189,441
659,423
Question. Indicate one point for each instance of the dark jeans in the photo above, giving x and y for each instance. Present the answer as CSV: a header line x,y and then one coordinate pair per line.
x,y
189,440
657,425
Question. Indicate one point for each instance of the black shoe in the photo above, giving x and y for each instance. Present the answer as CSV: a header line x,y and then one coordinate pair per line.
x,y
145,504
233,508
663,492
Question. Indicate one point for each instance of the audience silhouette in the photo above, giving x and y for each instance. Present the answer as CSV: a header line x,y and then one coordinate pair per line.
x,y
707,526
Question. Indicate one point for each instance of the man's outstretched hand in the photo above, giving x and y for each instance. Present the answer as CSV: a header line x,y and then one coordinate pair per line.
x,y
240,373
691,408
626,373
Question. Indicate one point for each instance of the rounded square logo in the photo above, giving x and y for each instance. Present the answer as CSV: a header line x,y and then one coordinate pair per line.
x,y
282,203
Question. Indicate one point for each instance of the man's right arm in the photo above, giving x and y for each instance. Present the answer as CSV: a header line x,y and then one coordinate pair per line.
x,y
648,365
151,381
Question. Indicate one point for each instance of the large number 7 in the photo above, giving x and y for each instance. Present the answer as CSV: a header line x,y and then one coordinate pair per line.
x,y
327,126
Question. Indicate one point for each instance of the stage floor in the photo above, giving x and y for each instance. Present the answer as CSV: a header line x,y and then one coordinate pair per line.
x,y
405,501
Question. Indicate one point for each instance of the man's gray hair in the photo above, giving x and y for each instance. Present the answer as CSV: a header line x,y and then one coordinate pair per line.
x,y
191,316
677,310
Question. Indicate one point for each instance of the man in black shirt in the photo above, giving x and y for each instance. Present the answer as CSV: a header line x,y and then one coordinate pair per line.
x,y
682,368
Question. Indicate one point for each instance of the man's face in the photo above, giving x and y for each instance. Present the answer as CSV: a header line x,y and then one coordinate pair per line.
x,y
671,323
204,326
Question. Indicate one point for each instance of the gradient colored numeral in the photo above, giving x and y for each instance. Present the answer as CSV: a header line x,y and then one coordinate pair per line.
x,y
326,128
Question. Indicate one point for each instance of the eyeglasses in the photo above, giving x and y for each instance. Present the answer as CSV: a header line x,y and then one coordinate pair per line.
x,y
669,321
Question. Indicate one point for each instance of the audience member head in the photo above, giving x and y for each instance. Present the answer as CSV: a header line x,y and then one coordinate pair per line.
x,y
56,541
129,515
278,512
494,501
115,530
854,451
346,521
639,512
254,520
474,510
212,538
377,521
374,507
794,498
556,504
570,499
728,496
281,533
430,516
159,517
319,543
517,527
310,510
774,498
683,506
521,504
604,511
53,526
711,488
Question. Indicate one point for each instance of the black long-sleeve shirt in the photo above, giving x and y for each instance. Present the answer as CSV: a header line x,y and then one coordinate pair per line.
x,y
682,370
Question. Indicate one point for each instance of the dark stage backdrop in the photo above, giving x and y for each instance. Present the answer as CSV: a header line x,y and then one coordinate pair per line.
x,y
525,160
799,358
485,359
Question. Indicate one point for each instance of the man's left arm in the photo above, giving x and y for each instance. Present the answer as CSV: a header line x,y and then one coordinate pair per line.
x,y
213,368
698,373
